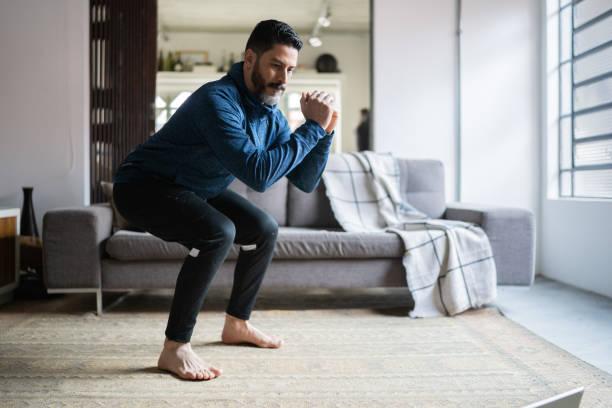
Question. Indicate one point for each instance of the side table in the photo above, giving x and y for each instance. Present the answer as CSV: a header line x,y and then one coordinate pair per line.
x,y
9,252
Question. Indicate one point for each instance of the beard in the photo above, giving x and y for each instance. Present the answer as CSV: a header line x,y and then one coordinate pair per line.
x,y
261,86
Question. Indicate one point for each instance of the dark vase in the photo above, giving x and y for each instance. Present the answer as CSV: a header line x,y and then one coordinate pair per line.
x,y
28,219
31,284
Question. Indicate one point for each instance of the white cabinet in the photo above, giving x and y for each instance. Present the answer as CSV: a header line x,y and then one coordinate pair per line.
x,y
174,87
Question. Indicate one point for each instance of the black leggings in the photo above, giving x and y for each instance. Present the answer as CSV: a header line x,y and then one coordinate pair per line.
x,y
208,228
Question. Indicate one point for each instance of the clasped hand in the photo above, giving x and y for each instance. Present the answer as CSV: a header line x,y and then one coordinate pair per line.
x,y
318,106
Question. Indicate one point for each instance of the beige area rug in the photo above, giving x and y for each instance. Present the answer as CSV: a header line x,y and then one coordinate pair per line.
x,y
57,352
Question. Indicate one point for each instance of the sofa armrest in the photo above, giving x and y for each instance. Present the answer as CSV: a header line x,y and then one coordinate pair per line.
x,y
512,234
73,245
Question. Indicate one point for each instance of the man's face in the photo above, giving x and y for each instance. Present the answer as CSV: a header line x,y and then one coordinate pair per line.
x,y
270,72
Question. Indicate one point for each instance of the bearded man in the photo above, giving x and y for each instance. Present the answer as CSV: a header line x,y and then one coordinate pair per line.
x,y
174,185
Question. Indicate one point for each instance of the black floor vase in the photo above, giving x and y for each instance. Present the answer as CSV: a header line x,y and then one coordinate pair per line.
x,y
28,219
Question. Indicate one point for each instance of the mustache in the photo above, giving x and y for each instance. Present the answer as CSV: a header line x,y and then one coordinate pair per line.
x,y
277,86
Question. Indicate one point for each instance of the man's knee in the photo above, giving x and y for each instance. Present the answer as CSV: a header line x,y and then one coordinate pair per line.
x,y
264,231
268,227
222,236
227,233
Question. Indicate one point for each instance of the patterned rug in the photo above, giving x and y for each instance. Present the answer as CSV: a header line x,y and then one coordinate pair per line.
x,y
57,352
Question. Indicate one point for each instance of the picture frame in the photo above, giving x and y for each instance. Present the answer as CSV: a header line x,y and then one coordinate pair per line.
x,y
183,54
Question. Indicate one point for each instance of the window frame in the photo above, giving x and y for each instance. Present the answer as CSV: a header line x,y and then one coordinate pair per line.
x,y
573,169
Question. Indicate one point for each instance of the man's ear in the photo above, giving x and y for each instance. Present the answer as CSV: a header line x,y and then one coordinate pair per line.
x,y
249,58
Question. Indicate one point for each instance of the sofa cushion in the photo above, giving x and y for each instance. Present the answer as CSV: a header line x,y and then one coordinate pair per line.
x,y
127,245
311,243
422,185
309,209
292,243
273,200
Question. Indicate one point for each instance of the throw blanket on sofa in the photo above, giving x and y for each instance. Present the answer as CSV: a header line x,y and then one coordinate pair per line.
x,y
449,264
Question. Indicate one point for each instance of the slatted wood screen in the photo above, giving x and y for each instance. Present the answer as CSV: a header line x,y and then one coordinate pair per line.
x,y
123,66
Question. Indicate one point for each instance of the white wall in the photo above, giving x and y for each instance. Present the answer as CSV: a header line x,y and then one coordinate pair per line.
x,y
500,106
575,243
415,90
44,103
352,51
414,81
575,233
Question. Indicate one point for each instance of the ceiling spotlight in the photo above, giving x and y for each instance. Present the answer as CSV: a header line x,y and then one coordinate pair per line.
x,y
161,33
315,41
322,21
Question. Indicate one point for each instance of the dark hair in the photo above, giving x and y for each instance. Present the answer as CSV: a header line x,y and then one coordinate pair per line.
x,y
267,33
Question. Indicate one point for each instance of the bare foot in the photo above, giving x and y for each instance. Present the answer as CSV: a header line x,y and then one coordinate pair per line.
x,y
181,360
240,331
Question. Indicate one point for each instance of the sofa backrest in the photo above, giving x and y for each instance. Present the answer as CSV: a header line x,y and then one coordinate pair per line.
x,y
273,200
421,184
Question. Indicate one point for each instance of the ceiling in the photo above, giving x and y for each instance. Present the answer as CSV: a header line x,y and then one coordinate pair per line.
x,y
347,16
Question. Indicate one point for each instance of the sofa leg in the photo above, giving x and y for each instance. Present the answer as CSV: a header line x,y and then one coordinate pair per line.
x,y
112,300
99,309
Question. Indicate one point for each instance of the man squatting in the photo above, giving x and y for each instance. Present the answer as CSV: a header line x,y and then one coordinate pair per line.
x,y
174,185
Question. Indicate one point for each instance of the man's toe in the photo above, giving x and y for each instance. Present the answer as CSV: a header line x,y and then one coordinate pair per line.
x,y
189,375
276,342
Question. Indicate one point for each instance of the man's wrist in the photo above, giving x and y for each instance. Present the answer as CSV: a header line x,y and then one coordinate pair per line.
x,y
324,143
314,122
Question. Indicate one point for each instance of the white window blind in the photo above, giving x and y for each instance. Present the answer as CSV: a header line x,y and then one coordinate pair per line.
x,y
585,98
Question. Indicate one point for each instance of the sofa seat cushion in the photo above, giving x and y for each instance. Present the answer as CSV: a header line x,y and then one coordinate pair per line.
x,y
127,245
304,243
292,243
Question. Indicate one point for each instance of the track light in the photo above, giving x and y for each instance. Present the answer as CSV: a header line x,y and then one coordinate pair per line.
x,y
315,41
322,21
161,32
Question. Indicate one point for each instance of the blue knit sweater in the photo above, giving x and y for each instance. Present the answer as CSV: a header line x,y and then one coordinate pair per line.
x,y
223,131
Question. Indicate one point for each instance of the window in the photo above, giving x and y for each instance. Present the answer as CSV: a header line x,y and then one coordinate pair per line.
x,y
164,109
294,110
585,98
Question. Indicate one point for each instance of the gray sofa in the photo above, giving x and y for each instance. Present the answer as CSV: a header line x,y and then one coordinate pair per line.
x,y
84,253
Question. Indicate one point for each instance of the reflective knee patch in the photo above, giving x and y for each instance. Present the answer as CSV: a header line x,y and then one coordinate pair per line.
x,y
194,252
248,247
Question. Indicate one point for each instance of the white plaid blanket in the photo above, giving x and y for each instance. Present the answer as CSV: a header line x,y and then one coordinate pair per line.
x,y
449,264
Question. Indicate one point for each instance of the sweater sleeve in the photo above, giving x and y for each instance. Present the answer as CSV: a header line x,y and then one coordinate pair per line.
x,y
222,127
307,174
